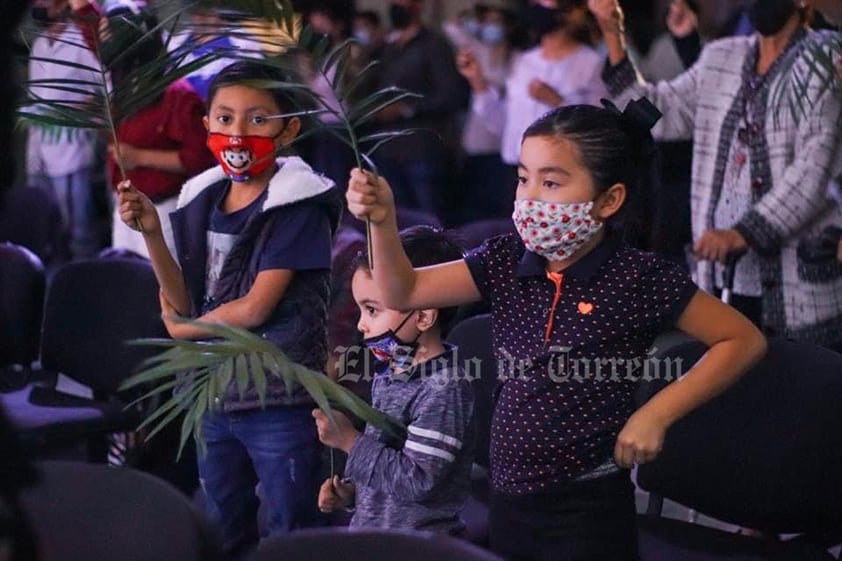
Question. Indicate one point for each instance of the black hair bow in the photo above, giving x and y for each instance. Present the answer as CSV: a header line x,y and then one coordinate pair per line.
x,y
637,120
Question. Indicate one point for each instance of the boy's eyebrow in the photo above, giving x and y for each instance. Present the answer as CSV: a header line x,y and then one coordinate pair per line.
x,y
547,169
367,301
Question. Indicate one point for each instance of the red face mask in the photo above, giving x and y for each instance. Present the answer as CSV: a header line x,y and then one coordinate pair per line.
x,y
242,157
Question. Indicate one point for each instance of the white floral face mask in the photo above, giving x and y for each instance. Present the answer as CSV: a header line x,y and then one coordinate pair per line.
x,y
554,230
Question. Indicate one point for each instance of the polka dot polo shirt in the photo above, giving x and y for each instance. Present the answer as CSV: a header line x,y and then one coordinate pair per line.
x,y
568,346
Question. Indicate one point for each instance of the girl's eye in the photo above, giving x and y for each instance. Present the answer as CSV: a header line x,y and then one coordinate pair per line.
x,y
550,184
258,120
521,180
224,119
370,311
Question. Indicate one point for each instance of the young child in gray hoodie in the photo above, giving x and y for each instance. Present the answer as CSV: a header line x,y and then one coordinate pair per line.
x,y
420,482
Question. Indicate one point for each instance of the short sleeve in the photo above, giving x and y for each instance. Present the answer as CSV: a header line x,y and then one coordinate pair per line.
x,y
478,264
496,258
665,290
300,239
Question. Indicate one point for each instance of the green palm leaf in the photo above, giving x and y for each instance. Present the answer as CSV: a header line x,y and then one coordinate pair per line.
x,y
106,106
799,89
235,356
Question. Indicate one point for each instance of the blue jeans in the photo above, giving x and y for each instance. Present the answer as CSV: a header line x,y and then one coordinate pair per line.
x,y
76,201
277,447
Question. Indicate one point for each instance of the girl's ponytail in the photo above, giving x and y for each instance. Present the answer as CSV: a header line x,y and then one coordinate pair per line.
x,y
636,121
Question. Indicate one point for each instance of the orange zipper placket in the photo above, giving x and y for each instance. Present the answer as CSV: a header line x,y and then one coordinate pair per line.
x,y
557,279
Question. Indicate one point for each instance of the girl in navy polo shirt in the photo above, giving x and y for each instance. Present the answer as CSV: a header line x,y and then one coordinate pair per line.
x,y
574,310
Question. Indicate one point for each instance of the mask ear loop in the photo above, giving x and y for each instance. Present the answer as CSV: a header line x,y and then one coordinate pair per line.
x,y
403,344
403,322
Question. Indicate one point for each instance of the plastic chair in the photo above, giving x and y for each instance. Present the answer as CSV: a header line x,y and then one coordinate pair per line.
x,y
92,309
766,454
343,544
474,338
30,216
89,511
22,286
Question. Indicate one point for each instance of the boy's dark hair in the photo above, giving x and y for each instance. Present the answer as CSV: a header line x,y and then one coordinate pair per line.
x,y
245,71
424,246
612,147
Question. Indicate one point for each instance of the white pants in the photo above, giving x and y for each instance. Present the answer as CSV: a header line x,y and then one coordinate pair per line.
x,y
123,237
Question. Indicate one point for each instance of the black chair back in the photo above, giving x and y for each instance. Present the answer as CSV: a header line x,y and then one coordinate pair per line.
x,y
474,338
22,286
30,216
88,511
767,453
93,309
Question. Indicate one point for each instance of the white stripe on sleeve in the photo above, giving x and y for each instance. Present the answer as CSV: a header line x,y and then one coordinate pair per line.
x,y
435,435
424,449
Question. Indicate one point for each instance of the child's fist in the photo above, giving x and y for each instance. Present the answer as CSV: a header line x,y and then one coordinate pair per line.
x,y
340,434
369,197
640,440
136,210
335,493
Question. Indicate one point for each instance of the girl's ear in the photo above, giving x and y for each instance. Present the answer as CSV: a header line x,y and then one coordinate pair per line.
x,y
610,202
426,319
206,122
291,130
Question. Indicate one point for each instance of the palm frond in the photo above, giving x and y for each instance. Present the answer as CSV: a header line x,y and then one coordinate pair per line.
x,y
104,105
334,65
201,372
808,77
281,13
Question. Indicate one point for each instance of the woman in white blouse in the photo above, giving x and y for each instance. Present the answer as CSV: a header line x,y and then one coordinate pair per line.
x,y
563,69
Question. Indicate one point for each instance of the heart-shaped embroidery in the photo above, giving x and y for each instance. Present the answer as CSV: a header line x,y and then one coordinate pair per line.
x,y
585,308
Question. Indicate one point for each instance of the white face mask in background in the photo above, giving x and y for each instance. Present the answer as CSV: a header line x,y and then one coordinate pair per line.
x,y
492,33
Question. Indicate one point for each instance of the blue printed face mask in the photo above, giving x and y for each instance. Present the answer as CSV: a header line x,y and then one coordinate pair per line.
x,y
390,350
